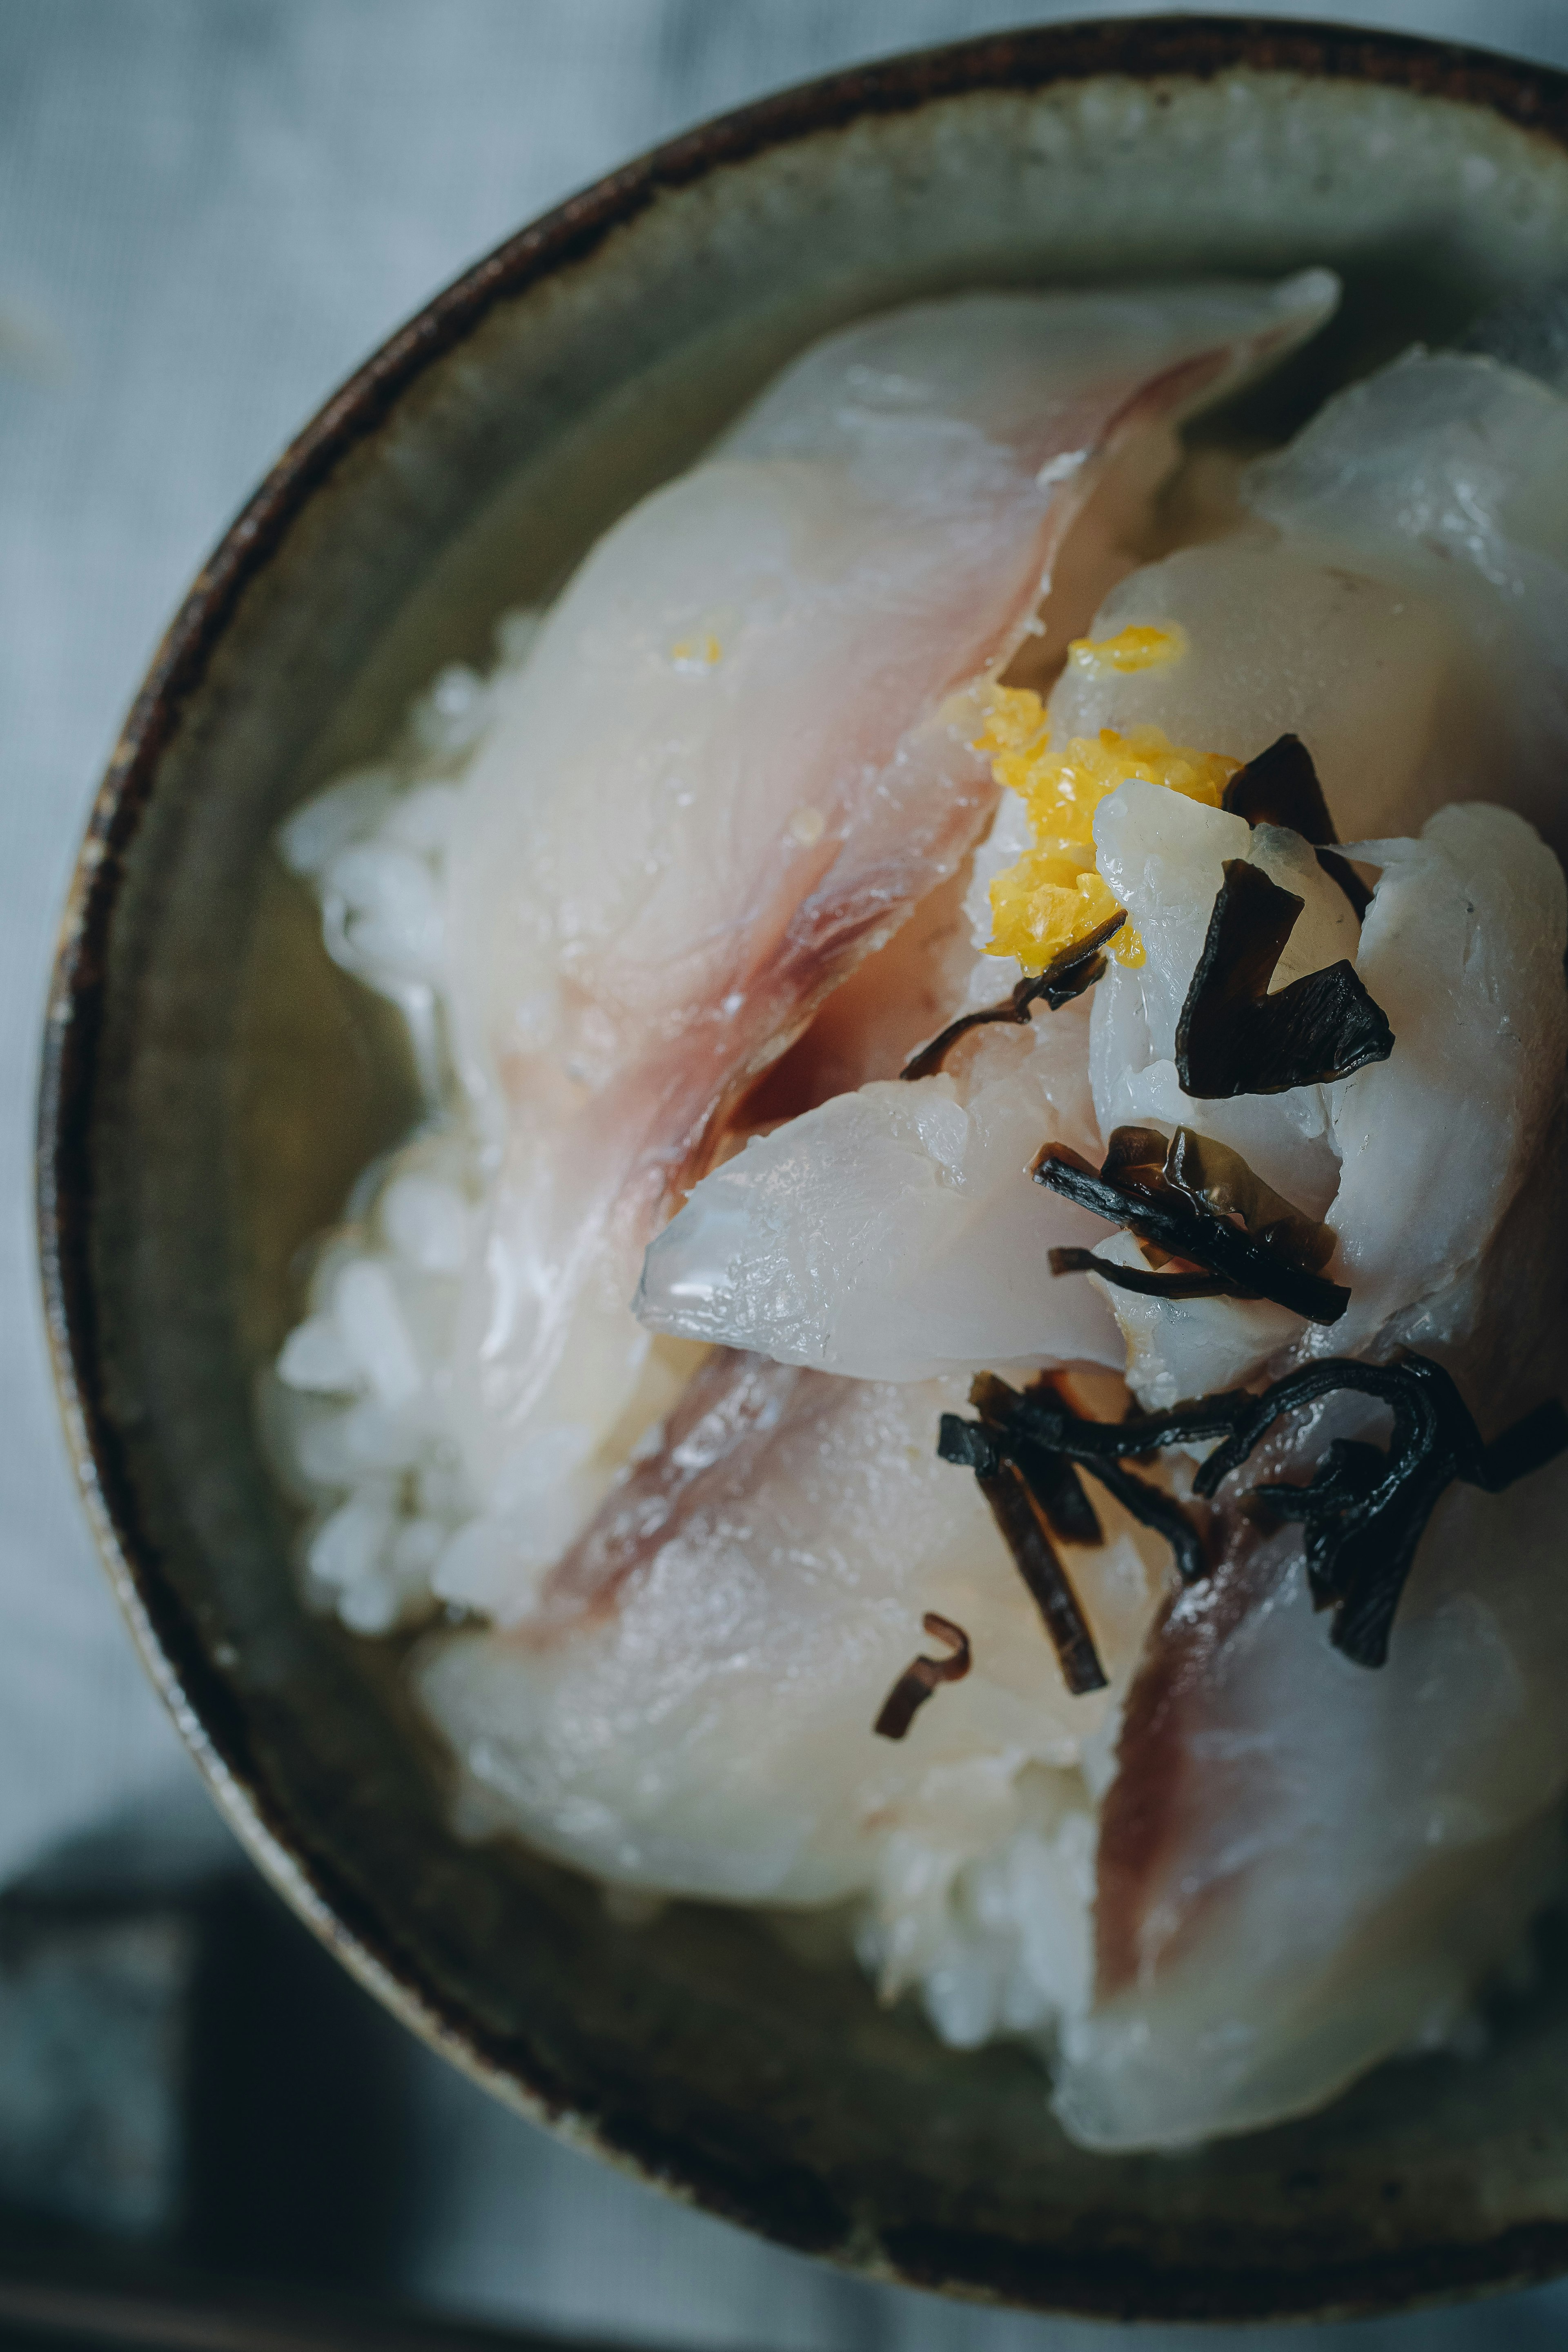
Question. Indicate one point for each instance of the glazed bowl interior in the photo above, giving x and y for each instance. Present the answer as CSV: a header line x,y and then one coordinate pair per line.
x,y
215,1084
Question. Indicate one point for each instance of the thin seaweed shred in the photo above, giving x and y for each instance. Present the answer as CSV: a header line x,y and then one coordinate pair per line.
x,y
1053,1479
1181,1194
1022,1515
1281,787
1145,1285
1008,1431
1064,978
1364,1509
921,1676
1233,1038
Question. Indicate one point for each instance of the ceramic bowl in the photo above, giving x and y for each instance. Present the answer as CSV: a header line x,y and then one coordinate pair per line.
x,y
213,1085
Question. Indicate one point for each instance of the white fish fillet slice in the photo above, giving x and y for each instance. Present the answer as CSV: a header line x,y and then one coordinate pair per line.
x,y
1304,1865
1400,603
740,753
1463,948
1305,1868
691,1710
1395,685
894,1233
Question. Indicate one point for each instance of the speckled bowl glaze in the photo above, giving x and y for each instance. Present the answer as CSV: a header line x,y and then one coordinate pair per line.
x,y
213,1085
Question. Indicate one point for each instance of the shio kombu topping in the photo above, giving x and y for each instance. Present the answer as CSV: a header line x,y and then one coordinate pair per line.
x,y
1365,1507
1281,787
1064,977
1009,1429
921,1675
1027,1504
1144,1286
1233,1038
1181,1196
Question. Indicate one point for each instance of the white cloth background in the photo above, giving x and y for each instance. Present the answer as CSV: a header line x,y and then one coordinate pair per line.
x,y
209,211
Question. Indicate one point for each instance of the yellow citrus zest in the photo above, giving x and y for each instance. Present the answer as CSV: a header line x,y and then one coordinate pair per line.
x,y
1054,896
696,653
1140,645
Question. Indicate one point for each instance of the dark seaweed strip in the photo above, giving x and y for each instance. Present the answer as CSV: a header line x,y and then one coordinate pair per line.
x,y
1155,1508
1212,1176
1023,1527
1425,1402
983,1447
1364,1509
1050,1423
1365,1519
1064,977
1346,1477
1199,1235
1529,1444
968,1445
1017,1505
1281,787
1146,1285
921,1676
1233,1038
1053,1481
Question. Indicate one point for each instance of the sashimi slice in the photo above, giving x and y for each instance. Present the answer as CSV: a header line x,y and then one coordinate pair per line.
x,y
893,1234
1400,602
691,1708
1304,1866
740,751
1413,1161
1463,947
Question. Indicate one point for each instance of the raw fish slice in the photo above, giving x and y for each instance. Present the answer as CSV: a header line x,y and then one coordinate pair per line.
x,y
1401,604
1375,676
690,1711
739,752
894,1233
1293,1850
1303,1866
1413,1161
1463,948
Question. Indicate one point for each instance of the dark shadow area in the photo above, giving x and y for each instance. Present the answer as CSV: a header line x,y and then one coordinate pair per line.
x,y
295,2106
206,2131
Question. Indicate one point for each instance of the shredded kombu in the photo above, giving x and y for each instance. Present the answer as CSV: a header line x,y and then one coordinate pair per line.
x,y
1183,1195
1281,787
1364,1509
1233,1038
1064,977
921,1675
1029,1501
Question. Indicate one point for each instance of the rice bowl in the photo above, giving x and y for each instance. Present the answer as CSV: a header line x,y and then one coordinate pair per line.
x,y
254,1618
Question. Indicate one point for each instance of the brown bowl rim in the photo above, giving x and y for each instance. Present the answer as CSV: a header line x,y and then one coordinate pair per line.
x,y
209,1719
